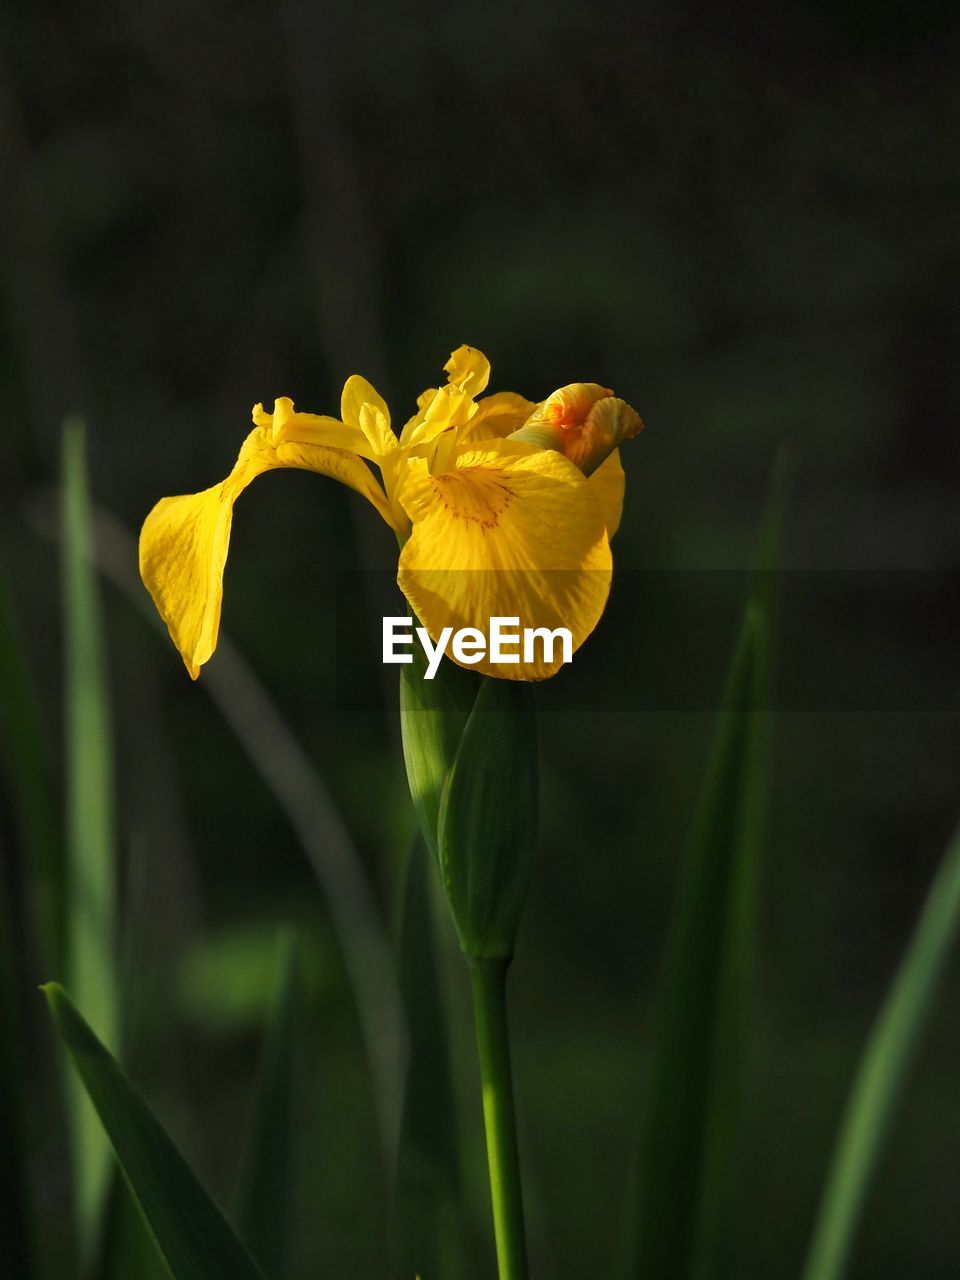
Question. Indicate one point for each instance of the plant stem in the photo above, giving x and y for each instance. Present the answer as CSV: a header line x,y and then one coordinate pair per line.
x,y
493,1049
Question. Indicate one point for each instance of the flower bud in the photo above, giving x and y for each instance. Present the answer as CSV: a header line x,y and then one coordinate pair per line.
x,y
471,756
487,829
583,421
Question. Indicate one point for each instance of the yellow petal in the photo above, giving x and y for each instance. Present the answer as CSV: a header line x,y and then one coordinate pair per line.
x,y
184,540
361,405
357,392
286,426
468,372
451,406
584,421
506,534
468,369
607,483
496,417
376,427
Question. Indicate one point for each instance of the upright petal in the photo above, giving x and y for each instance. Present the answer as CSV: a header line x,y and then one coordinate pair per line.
x,y
362,406
509,532
468,369
184,540
468,372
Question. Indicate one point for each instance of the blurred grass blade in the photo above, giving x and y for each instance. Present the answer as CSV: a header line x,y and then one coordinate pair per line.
x,y
299,789
883,1069
130,1251
29,768
91,859
191,1233
266,1212
685,1162
126,1246
427,1237
687,1159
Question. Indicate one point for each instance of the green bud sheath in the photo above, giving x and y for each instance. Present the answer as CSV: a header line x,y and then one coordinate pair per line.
x,y
433,714
487,825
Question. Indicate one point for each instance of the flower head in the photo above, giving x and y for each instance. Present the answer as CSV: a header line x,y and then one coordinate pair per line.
x,y
501,506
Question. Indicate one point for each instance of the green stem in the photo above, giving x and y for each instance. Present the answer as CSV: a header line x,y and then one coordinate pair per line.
x,y
493,1048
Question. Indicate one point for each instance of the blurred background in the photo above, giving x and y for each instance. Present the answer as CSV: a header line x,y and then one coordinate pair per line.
x,y
742,218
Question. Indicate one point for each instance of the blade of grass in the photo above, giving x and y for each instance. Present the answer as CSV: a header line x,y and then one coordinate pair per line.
x,y
883,1069
91,909
297,786
687,1159
266,1212
191,1233
427,1235
690,1132
130,1251
127,1248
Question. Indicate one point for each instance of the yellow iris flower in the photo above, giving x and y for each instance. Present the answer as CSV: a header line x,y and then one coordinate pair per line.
x,y
502,507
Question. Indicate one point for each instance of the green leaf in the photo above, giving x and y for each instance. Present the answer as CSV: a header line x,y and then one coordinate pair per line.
x,y
191,1233
690,1138
427,1234
687,1159
91,878
433,714
883,1069
487,829
129,1249
266,1212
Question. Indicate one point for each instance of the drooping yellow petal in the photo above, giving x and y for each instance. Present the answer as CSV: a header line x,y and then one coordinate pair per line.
x,y
184,540
508,532
608,483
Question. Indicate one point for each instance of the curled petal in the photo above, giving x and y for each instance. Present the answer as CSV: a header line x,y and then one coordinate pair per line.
x,y
468,370
584,421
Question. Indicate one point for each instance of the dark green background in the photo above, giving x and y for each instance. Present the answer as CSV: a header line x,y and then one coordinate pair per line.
x,y
743,219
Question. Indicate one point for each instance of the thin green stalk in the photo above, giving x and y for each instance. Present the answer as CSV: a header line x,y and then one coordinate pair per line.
x,y
493,1049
